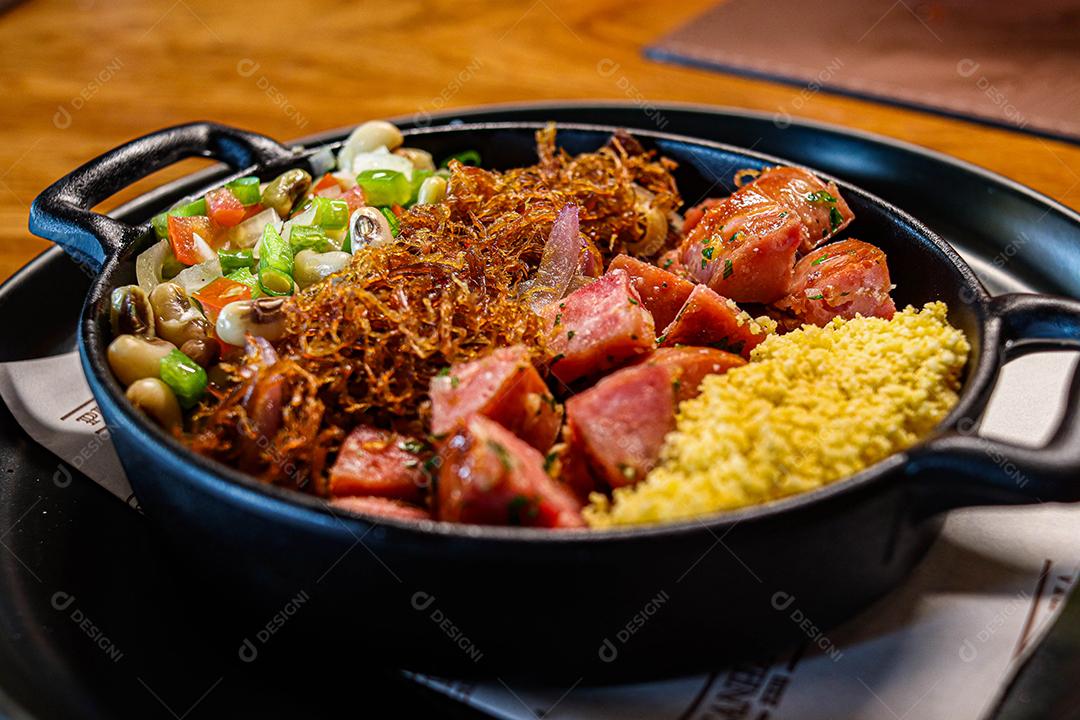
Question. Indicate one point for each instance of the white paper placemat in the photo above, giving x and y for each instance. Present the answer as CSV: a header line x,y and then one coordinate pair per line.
x,y
943,645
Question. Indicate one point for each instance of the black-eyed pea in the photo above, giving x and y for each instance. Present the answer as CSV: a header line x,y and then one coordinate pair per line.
x,y
133,357
176,317
309,267
203,351
263,317
153,397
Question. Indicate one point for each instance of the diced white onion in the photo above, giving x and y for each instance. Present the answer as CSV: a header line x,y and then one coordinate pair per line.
x,y
366,138
248,233
322,161
305,218
199,276
381,159
148,265
202,248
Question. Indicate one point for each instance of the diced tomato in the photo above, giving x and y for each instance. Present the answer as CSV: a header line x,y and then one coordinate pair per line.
x,y
354,197
220,293
190,238
224,208
253,210
332,193
325,182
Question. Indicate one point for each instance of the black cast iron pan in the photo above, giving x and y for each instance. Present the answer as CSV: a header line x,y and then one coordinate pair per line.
x,y
503,601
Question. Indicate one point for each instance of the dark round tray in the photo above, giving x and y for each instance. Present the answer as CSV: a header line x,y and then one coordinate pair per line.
x,y
178,658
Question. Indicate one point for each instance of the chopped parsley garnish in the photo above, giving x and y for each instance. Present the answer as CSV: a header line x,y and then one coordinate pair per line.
x,y
569,334
549,461
819,296
661,339
821,196
558,319
704,262
454,382
668,262
521,508
821,259
413,446
632,301
444,372
707,253
728,269
557,358
431,465
738,234
502,453
835,218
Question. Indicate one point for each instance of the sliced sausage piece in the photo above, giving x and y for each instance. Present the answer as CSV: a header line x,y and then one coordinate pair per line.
x,y
710,320
840,280
662,292
573,469
688,366
693,216
379,463
597,327
819,205
384,507
503,386
489,476
744,247
619,424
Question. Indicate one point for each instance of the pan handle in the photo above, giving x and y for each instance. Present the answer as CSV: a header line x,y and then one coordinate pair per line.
x,y
62,212
991,471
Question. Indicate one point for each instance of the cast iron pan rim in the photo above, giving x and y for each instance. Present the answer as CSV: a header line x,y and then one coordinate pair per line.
x,y
224,481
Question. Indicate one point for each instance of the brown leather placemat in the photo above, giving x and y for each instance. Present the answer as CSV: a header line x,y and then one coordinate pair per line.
x,y
1014,64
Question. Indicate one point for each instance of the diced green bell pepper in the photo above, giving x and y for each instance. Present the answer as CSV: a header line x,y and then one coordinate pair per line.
x,y
418,178
309,237
330,214
235,260
275,263
384,187
185,376
246,189
246,277
392,220
469,157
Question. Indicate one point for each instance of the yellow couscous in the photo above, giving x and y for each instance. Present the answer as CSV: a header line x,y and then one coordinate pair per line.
x,y
813,406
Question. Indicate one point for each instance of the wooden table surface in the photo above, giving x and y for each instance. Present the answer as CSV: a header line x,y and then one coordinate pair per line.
x,y
81,76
